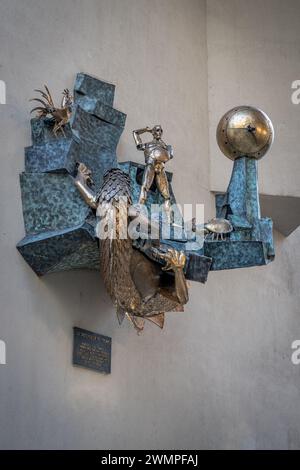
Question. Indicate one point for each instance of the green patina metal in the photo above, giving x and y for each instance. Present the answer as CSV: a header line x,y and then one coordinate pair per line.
x,y
60,227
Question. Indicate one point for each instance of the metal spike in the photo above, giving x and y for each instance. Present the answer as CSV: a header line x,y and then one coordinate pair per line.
x,y
120,315
158,319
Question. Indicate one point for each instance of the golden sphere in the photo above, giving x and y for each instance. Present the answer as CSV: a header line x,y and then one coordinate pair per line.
x,y
245,131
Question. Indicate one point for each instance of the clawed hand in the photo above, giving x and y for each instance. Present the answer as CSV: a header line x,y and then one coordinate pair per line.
x,y
84,174
175,260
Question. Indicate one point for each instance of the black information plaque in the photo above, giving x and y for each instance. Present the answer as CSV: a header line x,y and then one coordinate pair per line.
x,y
92,350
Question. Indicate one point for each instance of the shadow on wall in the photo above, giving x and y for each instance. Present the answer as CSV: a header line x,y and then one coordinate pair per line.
x,y
77,297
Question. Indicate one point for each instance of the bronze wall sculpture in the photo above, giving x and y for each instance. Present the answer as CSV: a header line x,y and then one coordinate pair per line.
x,y
73,180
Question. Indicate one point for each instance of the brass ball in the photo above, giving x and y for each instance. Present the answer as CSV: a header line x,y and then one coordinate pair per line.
x,y
245,131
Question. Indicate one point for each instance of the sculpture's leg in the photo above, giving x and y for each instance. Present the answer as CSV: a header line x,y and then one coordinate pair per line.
x,y
181,289
163,187
57,127
60,126
147,182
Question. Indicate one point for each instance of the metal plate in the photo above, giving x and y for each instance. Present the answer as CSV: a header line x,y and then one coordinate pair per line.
x,y
92,350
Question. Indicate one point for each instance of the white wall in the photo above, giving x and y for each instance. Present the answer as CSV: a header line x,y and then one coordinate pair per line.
x,y
220,374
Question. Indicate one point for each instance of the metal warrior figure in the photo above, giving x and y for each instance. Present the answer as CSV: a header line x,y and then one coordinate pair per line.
x,y
157,154
141,288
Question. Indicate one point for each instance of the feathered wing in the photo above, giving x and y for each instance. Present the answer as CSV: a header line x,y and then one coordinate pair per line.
x,y
49,97
47,102
115,247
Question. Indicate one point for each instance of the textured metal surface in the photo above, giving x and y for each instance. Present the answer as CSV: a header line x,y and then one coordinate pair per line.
x,y
56,156
101,110
51,202
61,250
198,266
60,227
42,131
245,131
235,254
115,184
98,159
90,128
94,88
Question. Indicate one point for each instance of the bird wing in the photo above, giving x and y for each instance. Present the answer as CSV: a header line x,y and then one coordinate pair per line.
x,y
115,251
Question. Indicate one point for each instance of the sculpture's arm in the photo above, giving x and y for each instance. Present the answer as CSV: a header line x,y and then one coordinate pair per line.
x,y
82,181
175,261
170,150
136,135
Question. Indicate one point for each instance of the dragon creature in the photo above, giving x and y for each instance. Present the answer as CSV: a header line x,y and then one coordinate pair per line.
x,y
140,288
